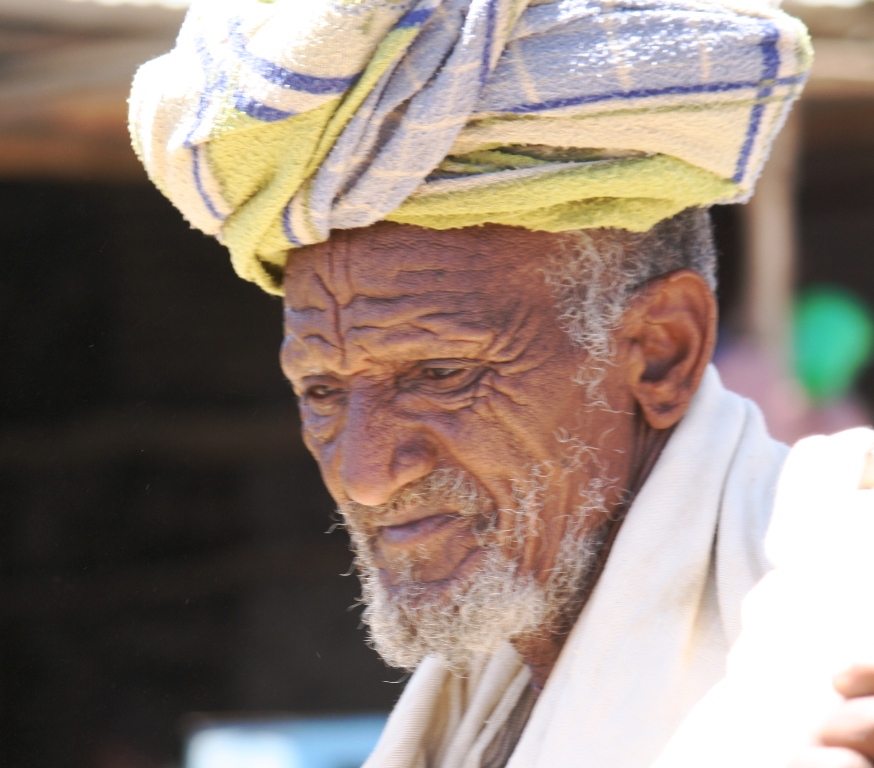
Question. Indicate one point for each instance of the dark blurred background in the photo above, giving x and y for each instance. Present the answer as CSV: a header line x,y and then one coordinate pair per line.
x,y
162,529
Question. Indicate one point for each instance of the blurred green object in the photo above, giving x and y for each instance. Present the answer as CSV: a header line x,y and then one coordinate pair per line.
x,y
833,338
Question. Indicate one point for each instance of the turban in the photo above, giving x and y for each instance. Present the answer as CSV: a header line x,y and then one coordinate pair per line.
x,y
274,122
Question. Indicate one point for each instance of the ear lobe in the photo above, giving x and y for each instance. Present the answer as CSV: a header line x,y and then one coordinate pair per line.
x,y
669,333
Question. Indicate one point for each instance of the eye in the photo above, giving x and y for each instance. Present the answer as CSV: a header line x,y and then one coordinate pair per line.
x,y
322,396
439,374
320,392
443,377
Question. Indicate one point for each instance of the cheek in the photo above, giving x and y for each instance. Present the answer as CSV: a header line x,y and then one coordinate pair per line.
x,y
318,431
322,450
508,429
533,405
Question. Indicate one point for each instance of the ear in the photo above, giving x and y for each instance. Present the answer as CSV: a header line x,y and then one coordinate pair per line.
x,y
666,339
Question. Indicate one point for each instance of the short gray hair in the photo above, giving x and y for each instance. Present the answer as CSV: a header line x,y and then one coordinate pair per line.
x,y
597,272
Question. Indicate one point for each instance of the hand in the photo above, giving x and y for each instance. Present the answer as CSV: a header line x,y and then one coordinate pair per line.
x,y
846,739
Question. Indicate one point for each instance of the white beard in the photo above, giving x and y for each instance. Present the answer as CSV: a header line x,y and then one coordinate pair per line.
x,y
476,613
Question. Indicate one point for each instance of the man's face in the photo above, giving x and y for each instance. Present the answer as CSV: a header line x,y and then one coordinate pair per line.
x,y
436,393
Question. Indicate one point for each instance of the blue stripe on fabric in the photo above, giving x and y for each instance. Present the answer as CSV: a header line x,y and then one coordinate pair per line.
x,y
217,84
206,63
286,78
770,68
286,227
491,15
642,93
259,110
414,18
195,158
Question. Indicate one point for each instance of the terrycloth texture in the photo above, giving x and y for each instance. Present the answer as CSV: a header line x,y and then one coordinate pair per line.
x,y
272,123
808,619
654,636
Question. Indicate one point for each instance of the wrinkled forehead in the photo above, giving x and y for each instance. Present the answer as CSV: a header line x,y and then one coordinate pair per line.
x,y
391,294
394,262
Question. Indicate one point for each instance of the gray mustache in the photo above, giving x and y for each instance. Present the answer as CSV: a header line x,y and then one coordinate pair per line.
x,y
447,488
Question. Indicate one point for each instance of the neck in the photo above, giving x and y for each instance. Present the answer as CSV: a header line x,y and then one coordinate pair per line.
x,y
540,651
540,655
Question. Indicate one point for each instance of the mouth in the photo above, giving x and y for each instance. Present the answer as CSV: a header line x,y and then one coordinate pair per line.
x,y
414,532
429,548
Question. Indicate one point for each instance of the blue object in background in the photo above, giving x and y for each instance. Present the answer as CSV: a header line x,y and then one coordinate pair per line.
x,y
306,742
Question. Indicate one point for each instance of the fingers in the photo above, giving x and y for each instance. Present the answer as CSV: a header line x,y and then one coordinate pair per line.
x,y
858,680
851,726
847,737
829,757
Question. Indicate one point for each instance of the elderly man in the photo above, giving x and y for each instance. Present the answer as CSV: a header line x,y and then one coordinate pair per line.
x,y
488,219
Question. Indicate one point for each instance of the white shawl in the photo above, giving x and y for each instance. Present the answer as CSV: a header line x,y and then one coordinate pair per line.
x,y
656,631
809,618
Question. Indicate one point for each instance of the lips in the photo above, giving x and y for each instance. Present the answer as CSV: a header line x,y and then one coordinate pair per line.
x,y
429,548
411,533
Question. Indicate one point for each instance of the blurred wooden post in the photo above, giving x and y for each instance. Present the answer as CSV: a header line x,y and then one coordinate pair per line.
x,y
770,248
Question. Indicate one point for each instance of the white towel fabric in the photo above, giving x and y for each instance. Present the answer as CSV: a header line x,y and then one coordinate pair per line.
x,y
698,552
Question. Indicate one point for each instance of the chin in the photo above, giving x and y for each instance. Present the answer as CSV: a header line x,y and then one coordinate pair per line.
x,y
470,614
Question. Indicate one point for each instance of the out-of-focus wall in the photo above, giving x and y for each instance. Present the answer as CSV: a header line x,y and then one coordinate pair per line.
x,y
162,529
65,71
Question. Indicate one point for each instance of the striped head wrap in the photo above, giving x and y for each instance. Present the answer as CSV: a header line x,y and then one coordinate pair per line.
x,y
274,122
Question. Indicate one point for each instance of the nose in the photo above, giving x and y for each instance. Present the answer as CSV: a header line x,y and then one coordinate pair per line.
x,y
381,453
